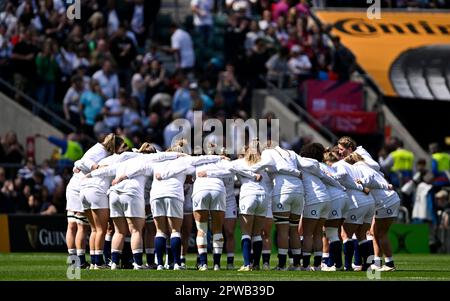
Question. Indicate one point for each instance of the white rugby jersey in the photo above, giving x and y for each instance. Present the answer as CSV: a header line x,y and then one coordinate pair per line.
x,y
216,172
379,187
249,185
334,192
314,180
91,157
268,184
103,183
229,188
277,159
137,169
368,158
346,174
173,174
147,188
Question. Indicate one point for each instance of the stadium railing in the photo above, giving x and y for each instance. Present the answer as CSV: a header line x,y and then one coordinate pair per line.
x,y
43,112
403,215
32,104
443,235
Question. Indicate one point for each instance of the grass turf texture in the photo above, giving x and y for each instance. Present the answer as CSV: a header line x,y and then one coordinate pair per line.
x,y
51,266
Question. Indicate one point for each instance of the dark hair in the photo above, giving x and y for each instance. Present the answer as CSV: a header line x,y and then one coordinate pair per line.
x,y
39,175
422,161
76,78
313,150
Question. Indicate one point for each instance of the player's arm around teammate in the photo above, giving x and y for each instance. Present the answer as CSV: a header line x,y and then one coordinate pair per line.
x,y
387,203
77,223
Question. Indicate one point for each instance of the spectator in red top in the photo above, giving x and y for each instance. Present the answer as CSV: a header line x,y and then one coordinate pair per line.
x,y
279,9
303,8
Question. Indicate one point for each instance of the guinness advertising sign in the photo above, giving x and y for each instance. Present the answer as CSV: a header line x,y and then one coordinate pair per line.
x,y
394,44
34,233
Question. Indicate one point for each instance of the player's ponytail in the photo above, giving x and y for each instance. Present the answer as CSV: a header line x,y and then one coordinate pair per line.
x,y
179,146
210,148
353,158
253,152
147,148
113,143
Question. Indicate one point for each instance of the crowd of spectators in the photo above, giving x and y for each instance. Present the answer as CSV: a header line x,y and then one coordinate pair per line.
x,y
423,186
408,4
26,187
105,73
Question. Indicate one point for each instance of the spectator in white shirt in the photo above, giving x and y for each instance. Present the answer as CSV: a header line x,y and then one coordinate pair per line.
x,y
131,120
112,18
108,80
181,46
71,102
139,86
252,36
299,64
137,21
113,110
203,21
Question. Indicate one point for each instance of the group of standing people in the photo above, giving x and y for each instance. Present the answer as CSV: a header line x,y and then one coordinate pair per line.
x,y
152,198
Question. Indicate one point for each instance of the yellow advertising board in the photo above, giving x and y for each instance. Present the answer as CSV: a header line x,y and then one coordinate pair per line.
x,y
378,43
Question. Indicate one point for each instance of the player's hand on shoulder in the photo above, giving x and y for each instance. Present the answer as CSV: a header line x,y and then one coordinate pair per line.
x,y
202,174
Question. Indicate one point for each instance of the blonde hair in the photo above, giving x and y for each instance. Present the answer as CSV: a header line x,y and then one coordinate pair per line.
x,y
210,148
253,153
353,158
223,151
112,143
147,148
331,155
179,146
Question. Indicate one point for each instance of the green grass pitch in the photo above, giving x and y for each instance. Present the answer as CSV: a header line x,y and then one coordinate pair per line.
x,y
51,266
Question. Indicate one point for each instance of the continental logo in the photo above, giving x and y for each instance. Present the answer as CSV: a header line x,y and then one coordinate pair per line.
x,y
365,28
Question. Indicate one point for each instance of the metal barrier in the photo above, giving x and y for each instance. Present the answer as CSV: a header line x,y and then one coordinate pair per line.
x,y
403,215
52,117
48,115
443,235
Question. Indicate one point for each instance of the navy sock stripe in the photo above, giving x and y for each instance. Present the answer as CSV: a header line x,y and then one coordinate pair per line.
x,y
137,257
115,257
257,250
348,253
160,247
246,250
358,255
175,245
